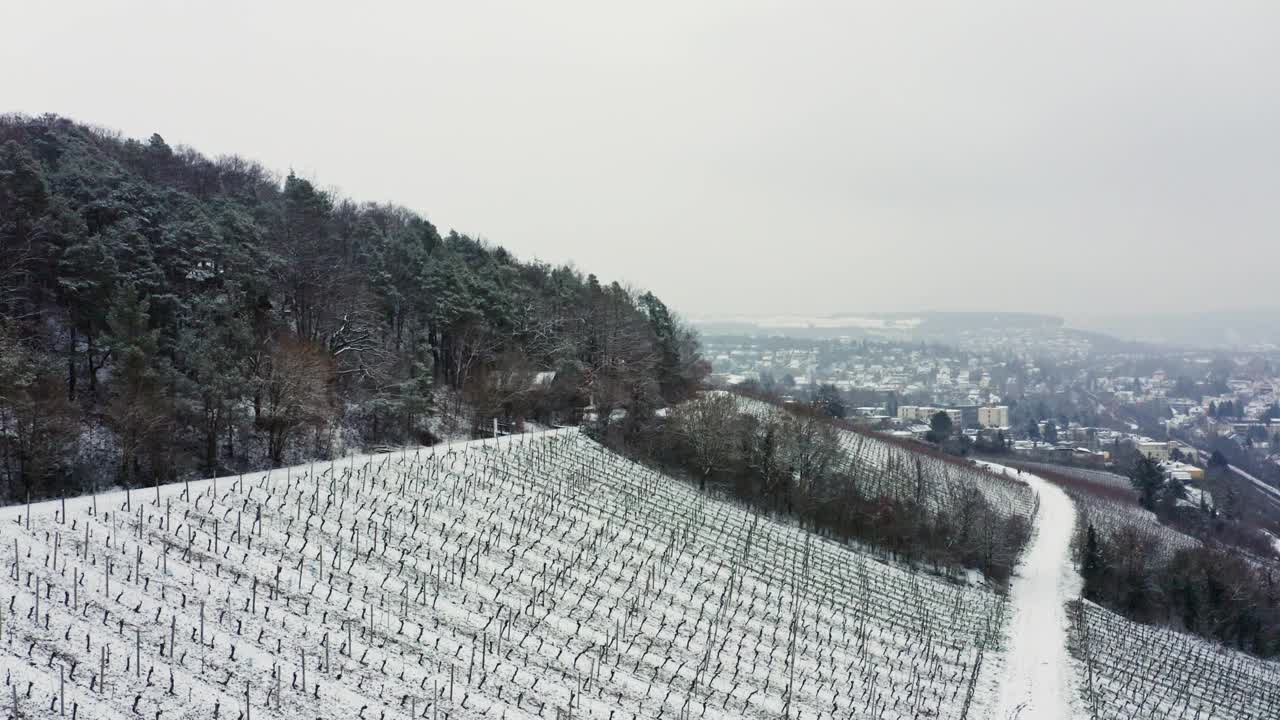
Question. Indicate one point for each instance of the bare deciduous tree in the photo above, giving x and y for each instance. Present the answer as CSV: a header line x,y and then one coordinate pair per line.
x,y
295,392
707,426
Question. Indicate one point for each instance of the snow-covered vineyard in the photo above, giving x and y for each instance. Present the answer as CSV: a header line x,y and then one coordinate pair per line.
x,y
535,577
890,471
884,469
1138,672
1109,517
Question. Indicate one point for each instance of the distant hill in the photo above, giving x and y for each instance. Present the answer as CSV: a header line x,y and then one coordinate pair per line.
x,y
1243,329
930,325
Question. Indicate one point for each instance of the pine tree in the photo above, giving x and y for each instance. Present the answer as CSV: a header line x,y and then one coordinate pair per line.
x,y
676,379
940,426
195,287
24,193
1147,478
1092,565
891,404
829,401
135,410
214,370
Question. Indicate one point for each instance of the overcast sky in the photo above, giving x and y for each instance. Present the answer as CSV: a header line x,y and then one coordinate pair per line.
x,y
739,157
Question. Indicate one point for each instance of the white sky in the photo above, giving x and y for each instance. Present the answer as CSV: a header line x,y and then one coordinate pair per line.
x,y
746,157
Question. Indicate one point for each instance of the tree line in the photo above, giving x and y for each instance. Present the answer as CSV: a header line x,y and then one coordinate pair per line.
x,y
165,314
1210,590
792,462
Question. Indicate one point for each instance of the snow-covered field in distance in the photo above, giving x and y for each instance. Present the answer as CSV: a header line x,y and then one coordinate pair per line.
x,y
830,322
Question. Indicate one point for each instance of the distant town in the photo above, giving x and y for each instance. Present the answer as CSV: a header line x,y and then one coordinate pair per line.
x,y
1044,394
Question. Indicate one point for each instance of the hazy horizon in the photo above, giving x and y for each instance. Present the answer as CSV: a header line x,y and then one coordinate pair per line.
x,y
933,310
740,158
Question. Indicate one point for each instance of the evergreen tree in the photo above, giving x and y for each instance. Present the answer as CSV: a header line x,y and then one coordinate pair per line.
x,y
674,343
135,410
225,312
24,198
214,371
38,424
1092,565
829,401
1148,479
940,427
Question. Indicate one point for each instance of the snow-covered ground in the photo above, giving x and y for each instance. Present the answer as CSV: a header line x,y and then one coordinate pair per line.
x,y
885,469
537,576
1088,662
1110,514
1035,678
1275,541
1143,672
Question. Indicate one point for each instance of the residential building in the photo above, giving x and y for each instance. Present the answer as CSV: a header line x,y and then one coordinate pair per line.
x,y
1153,449
996,416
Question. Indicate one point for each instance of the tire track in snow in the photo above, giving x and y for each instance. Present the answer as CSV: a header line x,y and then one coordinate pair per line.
x,y
1035,678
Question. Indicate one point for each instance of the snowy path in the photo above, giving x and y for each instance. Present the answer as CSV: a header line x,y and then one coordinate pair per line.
x,y
1035,678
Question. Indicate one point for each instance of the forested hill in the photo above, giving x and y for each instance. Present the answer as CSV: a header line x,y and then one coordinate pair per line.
x,y
169,315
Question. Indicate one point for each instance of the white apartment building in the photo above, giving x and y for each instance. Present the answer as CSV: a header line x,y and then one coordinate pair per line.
x,y
923,413
996,416
1153,449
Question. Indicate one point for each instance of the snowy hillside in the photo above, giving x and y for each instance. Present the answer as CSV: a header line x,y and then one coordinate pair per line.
x,y
1109,517
1131,671
1108,503
893,471
985,517
1145,672
539,576
883,468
